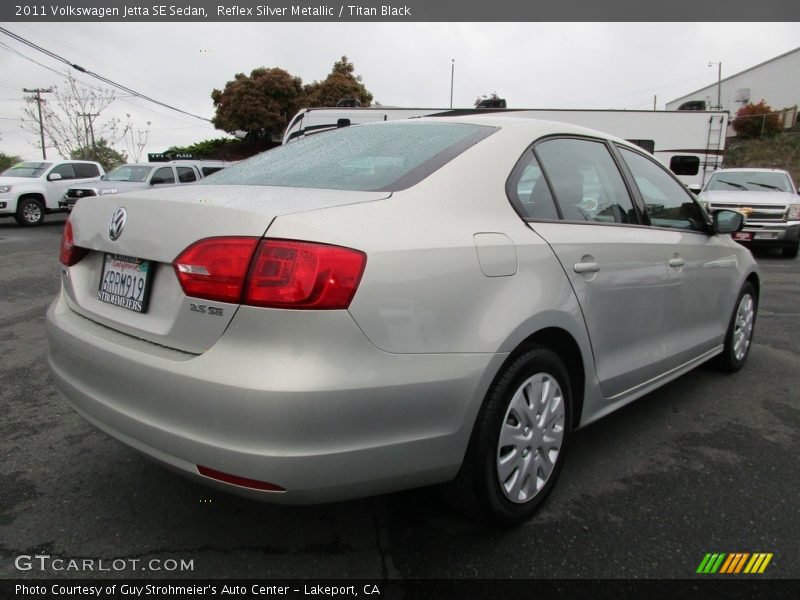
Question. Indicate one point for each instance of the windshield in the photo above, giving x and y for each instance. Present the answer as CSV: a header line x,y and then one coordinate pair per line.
x,y
749,181
27,169
369,157
129,173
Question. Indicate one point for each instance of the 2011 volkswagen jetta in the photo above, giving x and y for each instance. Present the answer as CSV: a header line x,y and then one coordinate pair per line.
x,y
390,305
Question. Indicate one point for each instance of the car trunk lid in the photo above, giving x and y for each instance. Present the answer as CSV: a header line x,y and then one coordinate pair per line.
x,y
159,225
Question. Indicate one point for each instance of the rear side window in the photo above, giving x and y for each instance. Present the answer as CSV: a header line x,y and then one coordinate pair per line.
x,y
186,174
668,203
528,190
684,165
586,181
209,170
383,156
85,170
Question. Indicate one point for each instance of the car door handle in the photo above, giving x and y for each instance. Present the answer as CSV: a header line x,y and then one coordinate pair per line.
x,y
586,267
676,262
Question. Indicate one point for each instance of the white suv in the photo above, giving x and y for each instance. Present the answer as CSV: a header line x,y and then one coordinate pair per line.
x,y
30,190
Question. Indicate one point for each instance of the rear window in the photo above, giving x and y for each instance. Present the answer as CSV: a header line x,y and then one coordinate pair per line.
x,y
369,157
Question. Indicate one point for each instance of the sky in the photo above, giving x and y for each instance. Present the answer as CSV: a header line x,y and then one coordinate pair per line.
x,y
532,65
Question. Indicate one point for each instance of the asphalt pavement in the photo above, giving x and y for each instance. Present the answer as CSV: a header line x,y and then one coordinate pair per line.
x,y
708,463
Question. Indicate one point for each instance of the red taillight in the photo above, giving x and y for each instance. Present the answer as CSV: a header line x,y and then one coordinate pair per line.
x,y
292,274
271,273
254,484
70,254
215,268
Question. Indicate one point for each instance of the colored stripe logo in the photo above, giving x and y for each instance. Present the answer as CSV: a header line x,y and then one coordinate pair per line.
x,y
734,563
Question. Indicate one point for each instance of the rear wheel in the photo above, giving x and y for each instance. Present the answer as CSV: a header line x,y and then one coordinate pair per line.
x,y
740,331
30,212
517,445
790,251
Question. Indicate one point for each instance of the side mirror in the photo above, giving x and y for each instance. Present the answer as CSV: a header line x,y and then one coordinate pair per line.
x,y
727,221
54,177
103,177
694,188
156,180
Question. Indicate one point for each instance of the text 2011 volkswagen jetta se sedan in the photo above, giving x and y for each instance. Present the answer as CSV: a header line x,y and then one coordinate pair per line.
x,y
395,305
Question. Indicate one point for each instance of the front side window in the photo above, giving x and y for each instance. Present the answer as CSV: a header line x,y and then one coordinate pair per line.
x,y
67,171
186,174
163,175
586,181
667,203
381,156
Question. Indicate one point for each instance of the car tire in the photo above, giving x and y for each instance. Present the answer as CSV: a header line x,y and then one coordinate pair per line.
x,y
30,212
529,408
790,251
739,337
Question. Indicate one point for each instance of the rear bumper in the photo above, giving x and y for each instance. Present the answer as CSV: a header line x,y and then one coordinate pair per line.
x,y
324,421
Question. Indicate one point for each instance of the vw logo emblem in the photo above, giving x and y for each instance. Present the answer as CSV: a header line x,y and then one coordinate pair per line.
x,y
117,223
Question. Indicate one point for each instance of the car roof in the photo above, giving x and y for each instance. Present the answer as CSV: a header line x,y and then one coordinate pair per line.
x,y
750,170
531,129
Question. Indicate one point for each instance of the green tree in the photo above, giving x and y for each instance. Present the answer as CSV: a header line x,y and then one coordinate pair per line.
x,y
8,160
102,153
341,83
260,103
756,120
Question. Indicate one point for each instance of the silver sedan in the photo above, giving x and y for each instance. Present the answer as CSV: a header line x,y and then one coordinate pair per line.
x,y
391,305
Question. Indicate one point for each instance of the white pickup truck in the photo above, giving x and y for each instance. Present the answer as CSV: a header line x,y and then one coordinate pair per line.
x,y
30,190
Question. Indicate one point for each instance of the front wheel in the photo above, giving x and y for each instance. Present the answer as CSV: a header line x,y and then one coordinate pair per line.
x,y
517,445
740,331
30,212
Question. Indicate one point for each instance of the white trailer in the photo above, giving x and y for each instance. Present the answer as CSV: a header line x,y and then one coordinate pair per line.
x,y
690,143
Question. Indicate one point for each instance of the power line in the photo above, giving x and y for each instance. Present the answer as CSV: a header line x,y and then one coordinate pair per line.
x,y
81,69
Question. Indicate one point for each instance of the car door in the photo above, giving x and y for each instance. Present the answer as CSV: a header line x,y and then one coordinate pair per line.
x,y
56,188
702,267
616,269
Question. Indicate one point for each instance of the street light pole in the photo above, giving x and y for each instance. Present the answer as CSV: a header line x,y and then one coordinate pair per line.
x,y
719,83
452,74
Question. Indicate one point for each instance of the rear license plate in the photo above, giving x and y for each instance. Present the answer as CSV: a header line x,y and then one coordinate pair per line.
x,y
766,235
125,282
743,236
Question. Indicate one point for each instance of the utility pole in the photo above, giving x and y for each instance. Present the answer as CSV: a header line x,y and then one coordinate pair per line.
x,y
655,100
39,101
91,129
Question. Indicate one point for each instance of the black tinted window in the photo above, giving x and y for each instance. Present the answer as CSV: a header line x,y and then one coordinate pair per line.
x,y
67,171
163,175
586,182
383,156
186,174
684,165
86,170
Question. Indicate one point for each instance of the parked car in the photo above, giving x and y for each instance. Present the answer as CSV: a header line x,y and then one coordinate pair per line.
x,y
31,190
769,200
141,176
398,304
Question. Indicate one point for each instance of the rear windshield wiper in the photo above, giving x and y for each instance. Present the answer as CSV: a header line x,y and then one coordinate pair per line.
x,y
766,185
